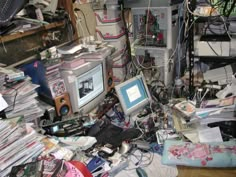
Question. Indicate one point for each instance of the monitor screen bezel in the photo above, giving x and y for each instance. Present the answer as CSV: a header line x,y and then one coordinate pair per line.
x,y
70,78
133,109
77,85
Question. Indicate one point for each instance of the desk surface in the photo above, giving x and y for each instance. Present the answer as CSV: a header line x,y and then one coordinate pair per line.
x,y
206,172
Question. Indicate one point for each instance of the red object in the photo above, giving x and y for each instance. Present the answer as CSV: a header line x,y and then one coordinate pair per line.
x,y
160,36
82,168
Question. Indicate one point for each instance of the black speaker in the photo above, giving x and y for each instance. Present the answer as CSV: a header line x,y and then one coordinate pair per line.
x,y
63,105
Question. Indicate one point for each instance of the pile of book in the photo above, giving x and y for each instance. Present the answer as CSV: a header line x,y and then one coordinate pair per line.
x,y
19,144
20,94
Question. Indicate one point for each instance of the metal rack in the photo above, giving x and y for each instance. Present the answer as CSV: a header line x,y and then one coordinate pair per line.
x,y
191,49
191,54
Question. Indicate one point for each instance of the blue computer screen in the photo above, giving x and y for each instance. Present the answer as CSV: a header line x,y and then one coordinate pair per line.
x,y
133,93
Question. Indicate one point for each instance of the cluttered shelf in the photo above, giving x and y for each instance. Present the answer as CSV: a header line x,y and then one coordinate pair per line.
x,y
17,35
211,34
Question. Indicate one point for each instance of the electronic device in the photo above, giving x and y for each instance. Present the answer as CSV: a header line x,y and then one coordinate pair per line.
x,y
213,45
222,75
125,147
95,163
143,145
161,29
63,105
162,60
133,94
64,128
109,66
86,85
106,152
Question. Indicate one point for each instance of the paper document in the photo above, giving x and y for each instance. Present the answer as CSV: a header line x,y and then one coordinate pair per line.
x,y
3,103
209,135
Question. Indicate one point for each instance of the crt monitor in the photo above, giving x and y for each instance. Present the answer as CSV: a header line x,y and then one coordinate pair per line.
x,y
86,85
133,94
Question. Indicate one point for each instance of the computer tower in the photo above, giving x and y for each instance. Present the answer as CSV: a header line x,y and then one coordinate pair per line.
x,y
161,27
161,56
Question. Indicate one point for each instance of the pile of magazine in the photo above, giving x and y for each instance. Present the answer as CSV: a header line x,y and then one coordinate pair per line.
x,y
19,144
20,94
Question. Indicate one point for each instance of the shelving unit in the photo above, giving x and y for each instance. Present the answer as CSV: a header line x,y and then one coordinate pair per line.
x,y
18,35
191,54
23,46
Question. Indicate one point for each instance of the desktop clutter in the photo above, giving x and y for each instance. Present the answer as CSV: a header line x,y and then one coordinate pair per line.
x,y
62,115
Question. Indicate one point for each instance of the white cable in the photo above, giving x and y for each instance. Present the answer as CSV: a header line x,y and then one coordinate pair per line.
x,y
207,90
227,31
4,48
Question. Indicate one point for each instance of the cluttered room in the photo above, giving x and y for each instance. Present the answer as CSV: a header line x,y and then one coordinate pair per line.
x,y
117,88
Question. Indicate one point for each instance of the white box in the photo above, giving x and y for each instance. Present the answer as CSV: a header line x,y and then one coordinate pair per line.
x,y
209,48
119,44
110,32
107,17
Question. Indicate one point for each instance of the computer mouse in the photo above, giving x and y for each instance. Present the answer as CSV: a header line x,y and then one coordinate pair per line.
x,y
125,147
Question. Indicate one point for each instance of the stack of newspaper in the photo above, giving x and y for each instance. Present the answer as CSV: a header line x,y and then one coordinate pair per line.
x,y
21,97
19,144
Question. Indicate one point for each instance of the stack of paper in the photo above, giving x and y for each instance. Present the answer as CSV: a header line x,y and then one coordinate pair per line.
x,y
216,111
18,144
21,98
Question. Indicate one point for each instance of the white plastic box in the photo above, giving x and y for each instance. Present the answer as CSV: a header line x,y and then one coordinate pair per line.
x,y
107,17
119,44
218,48
110,32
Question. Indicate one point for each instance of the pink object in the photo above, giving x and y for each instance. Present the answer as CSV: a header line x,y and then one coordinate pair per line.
x,y
73,63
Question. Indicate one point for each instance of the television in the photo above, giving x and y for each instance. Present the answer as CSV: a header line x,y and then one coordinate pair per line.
x,y
86,85
133,94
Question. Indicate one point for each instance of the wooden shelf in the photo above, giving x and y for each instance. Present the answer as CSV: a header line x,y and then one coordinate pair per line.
x,y
14,36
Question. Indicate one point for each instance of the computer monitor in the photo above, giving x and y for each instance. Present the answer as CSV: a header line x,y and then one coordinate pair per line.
x,y
86,85
133,94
